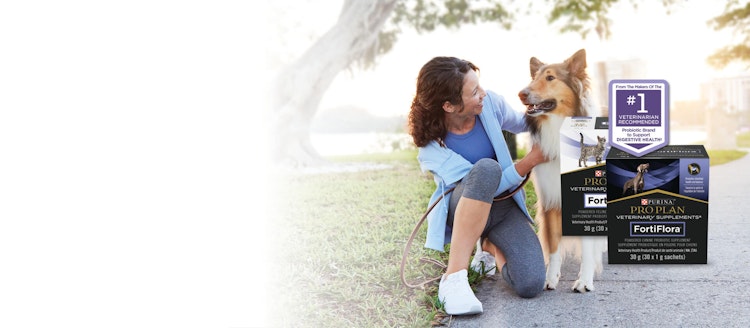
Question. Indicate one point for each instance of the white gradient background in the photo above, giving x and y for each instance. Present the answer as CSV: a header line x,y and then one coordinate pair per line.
x,y
130,173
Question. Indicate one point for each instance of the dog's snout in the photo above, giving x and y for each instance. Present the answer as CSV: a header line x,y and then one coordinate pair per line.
x,y
523,94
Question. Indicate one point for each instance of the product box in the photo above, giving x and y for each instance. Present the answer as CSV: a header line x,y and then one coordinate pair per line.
x,y
657,206
583,176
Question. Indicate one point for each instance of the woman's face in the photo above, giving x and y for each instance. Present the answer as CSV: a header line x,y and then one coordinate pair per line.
x,y
472,94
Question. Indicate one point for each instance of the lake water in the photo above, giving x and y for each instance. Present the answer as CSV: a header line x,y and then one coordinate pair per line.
x,y
336,144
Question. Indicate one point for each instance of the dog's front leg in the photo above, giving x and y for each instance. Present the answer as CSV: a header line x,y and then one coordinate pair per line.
x,y
552,230
585,280
553,270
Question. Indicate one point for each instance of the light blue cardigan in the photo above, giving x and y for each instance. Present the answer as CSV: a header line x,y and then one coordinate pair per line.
x,y
449,167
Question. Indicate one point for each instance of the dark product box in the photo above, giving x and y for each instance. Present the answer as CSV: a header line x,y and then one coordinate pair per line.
x,y
657,206
583,176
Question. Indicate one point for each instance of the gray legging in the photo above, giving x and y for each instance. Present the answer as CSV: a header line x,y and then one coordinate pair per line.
x,y
507,228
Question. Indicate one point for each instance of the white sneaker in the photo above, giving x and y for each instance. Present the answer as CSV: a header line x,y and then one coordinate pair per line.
x,y
486,259
455,293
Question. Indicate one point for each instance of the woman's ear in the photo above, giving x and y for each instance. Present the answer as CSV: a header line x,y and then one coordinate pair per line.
x,y
448,107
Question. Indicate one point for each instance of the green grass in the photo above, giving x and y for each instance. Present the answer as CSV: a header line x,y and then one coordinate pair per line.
x,y
344,236
721,156
718,157
344,233
743,140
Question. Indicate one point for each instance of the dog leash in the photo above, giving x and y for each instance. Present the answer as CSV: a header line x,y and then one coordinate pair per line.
x,y
419,224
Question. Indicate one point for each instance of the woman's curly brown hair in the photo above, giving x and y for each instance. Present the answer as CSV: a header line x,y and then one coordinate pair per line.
x,y
440,80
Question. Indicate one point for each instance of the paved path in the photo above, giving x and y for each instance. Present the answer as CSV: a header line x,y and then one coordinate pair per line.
x,y
716,294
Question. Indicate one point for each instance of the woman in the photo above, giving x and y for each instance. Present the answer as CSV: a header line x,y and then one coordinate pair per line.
x,y
458,129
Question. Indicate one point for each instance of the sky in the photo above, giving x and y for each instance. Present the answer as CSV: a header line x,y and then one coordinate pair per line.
x,y
673,46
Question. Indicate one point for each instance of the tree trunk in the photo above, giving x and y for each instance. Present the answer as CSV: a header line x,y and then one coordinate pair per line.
x,y
300,87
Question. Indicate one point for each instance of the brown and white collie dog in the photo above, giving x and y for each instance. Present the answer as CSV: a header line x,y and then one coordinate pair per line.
x,y
555,92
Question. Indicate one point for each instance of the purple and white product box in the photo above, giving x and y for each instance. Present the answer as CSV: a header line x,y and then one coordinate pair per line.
x,y
657,206
583,176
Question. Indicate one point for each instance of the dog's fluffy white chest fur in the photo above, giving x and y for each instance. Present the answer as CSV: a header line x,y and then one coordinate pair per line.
x,y
547,175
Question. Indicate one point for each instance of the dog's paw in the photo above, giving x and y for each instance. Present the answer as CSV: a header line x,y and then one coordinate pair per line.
x,y
550,283
581,287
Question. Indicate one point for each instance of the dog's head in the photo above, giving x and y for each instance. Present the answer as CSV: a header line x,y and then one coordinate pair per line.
x,y
557,88
643,168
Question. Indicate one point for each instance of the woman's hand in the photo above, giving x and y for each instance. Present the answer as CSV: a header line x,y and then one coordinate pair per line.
x,y
533,158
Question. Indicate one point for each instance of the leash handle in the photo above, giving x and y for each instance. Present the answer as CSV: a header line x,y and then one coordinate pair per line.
x,y
523,183
414,232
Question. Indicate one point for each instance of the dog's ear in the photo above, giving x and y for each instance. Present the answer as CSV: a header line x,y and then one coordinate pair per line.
x,y
577,64
534,65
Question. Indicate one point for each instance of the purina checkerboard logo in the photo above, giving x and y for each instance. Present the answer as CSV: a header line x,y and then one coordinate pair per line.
x,y
658,201
599,173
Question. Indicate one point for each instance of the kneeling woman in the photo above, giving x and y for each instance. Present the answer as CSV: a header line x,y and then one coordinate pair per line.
x,y
458,129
